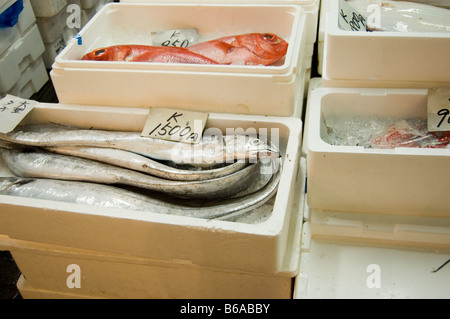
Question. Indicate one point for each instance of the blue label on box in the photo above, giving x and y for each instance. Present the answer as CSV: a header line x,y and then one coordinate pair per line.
x,y
10,16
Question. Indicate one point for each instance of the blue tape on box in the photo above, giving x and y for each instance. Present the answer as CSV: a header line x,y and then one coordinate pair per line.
x,y
10,16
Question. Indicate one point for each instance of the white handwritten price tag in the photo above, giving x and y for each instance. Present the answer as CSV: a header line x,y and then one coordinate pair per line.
x,y
349,18
438,109
181,38
12,110
175,125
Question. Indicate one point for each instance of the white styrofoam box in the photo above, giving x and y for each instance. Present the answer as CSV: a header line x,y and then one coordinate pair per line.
x,y
314,83
354,255
257,247
88,4
88,14
30,81
52,27
324,9
26,17
331,270
219,88
24,52
47,8
384,59
105,275
25,21
89,9
8,36
394,231
401,181
54,48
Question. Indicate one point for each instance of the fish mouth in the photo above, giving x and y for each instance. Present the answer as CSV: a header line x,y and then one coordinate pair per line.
x,y
269,153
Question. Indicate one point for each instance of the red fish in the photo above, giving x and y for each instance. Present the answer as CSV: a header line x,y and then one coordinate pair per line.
x,y
406,134
245,49
146,53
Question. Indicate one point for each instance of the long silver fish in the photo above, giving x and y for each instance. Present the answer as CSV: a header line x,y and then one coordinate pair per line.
x,y
403,16
40,164
146,165
211,150
110,196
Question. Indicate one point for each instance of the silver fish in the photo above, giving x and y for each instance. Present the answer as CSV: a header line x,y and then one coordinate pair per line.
x,y
403,16
40,164
146,165
211,150
110,196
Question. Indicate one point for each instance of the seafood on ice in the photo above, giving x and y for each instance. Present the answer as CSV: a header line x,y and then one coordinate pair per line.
x,y
410,133
246,49
402,16
382,133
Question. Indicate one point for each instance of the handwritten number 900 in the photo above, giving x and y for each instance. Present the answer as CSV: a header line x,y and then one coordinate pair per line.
x,y
444,113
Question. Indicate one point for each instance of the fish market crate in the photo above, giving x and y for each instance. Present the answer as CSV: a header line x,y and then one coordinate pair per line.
x,y
47,8
384,58
20,60
255,247
52,49
394,231
357,255
21,69
56,32
107,275
52,27
31,80
400,181
217,88
334,270
12,34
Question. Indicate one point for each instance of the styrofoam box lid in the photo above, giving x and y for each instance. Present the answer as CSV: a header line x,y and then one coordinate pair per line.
x,y
347,54
119,23
261,247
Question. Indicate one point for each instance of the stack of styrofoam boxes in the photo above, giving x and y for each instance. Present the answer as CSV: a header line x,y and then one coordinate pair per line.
x,y
129,254
56,22
22,71
372,213
51,18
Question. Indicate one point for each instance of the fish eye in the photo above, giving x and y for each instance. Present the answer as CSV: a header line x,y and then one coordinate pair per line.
x,y
269,36
256,142
99,52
